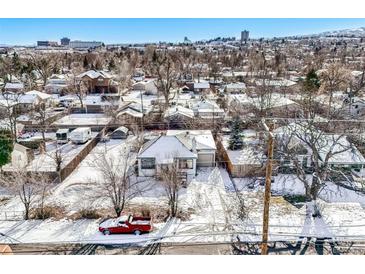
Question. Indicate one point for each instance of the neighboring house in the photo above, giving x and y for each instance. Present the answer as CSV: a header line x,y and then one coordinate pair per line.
x,y
164,151
43,97
14,87
178,116
203,142
148,86
56,84
120,133
96,103
21,156
274,104
201,87
131,112
235,87
354,106
345,155
98,81
207,109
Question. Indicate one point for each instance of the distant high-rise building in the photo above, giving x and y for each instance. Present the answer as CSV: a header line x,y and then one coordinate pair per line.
x,y
46,43
244,36
65,41
85,44
187,40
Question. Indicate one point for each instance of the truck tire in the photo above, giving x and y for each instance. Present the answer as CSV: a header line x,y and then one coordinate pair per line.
x,y
106,232
137,232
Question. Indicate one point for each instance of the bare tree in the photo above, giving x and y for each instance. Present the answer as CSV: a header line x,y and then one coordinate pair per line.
x,y
164,66
309,151
26,185
45,65
58,157
172,183
334,78
11,112
118,182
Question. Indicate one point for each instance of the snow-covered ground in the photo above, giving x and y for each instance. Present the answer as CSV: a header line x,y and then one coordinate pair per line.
x,y
214,204
80,120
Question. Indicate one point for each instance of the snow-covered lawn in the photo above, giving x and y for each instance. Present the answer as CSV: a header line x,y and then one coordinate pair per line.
x,y
79,190
284,184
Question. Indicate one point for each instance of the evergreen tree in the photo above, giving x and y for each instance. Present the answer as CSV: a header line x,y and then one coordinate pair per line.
x,y
6,146
86,63
111,64
235,141
311,81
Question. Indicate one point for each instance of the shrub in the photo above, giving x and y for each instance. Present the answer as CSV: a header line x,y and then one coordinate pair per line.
x,y
47,212
87,214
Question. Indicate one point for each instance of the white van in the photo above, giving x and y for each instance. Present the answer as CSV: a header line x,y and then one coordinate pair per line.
x,y
80,135
62,136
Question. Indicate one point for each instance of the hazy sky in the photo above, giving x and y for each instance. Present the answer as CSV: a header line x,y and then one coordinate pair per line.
x,y
28,31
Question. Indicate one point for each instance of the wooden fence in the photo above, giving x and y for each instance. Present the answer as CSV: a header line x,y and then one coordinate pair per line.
x,y
72,165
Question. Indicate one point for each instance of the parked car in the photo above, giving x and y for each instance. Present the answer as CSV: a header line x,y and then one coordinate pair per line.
x,y
80,135
126,224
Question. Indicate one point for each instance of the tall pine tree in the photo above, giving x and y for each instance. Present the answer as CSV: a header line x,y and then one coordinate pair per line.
x,y
235,141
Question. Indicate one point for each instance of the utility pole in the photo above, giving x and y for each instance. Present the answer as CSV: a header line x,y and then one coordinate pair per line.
x,y
267,195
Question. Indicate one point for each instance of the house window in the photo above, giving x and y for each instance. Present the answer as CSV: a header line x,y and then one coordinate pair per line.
x,y
148,163
185,164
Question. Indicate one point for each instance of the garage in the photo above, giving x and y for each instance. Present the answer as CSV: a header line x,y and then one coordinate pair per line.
x,y
205,160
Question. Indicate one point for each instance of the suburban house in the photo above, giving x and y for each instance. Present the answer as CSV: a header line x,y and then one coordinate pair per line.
x,y
56,84
178,116
235,87
207,109
203,142
201,87
345,155
98,81
191,149
132,113
147,86
15,87
355,106
21,156
163,151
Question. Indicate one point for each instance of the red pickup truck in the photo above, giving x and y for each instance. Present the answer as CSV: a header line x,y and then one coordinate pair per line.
x,y
126,224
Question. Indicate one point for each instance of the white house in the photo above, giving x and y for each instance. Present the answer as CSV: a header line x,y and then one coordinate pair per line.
x,y
207,109
56,84
201,86
148,86
164,151
235,87
202,141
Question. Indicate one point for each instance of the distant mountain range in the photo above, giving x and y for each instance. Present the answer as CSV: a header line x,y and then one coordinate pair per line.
x,y
356,32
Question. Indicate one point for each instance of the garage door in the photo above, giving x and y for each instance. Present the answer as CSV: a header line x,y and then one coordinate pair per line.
x,y
205,160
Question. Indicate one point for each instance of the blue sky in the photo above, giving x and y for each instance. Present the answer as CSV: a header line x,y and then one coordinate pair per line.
x,y
28,31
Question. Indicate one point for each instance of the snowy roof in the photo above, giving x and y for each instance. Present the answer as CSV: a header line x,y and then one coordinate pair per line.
x,y
122,128
203,138
201,85
275,100
94,74
42,95
164,149
236,86
28,99
176,110
276,83
14,86
347,152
